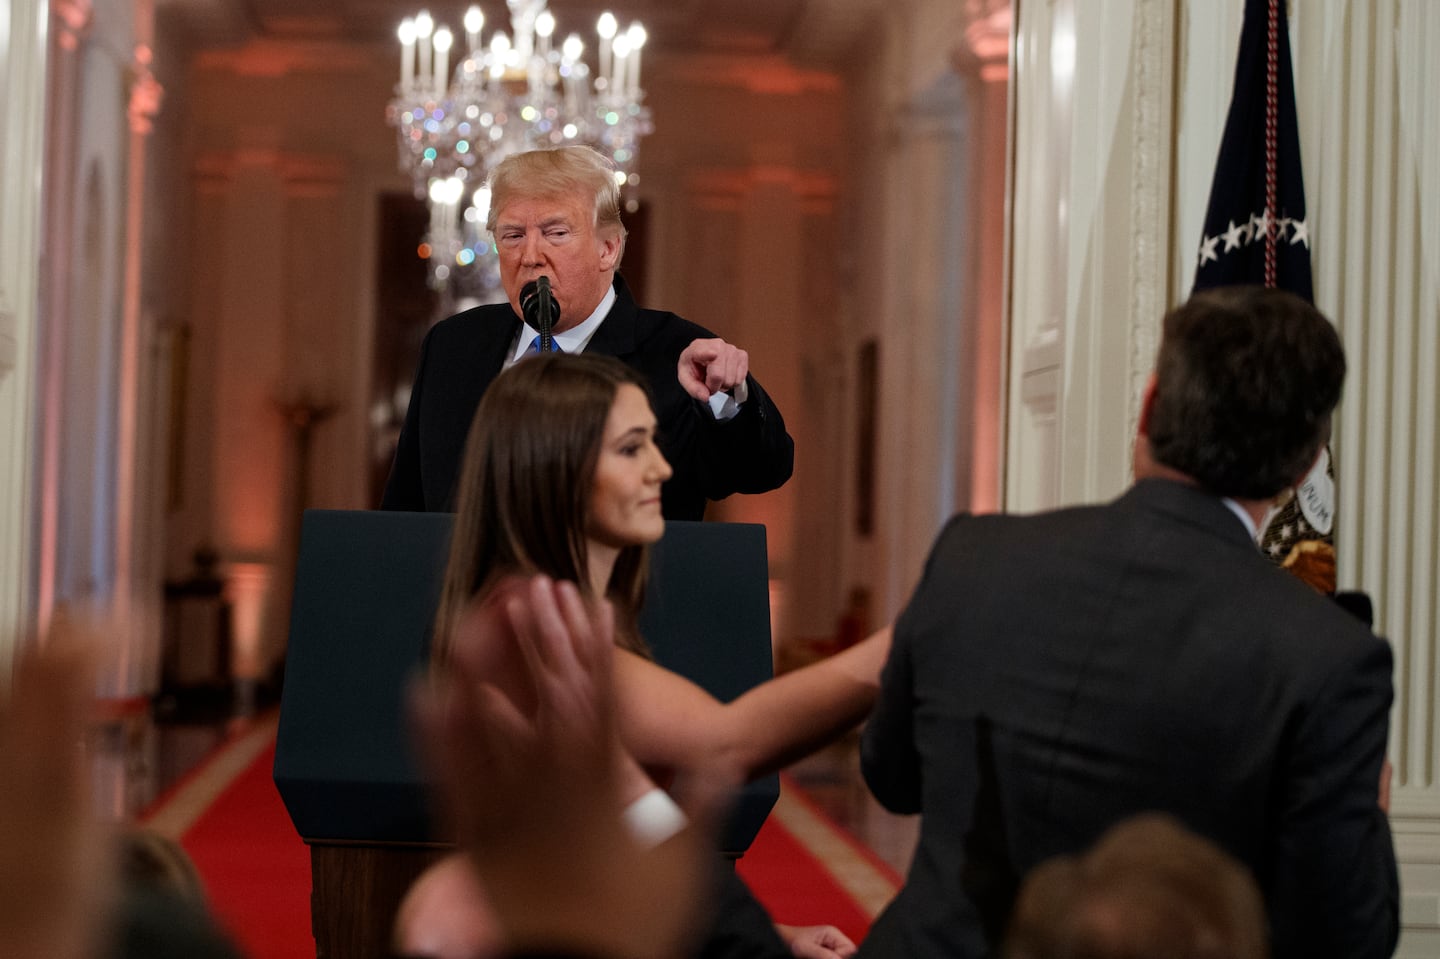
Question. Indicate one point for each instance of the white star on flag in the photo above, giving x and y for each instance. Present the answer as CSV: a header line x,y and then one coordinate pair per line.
x,y
1235,236
1301,232
1207,249
1262,224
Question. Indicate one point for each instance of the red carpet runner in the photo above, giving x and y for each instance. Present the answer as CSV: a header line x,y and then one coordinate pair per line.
x,y
255,867
258,871
794,886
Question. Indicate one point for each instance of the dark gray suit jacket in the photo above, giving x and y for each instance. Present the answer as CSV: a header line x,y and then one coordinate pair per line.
x,y
1056,673
462,355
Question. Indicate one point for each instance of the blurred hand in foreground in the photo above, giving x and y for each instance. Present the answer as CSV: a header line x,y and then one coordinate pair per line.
x,y
54,853
529,767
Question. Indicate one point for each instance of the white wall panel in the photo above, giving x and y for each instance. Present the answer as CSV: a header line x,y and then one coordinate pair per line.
x,y
1091,234
1366,77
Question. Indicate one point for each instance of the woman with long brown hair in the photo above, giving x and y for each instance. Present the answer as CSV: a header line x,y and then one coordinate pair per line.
x,y
562,477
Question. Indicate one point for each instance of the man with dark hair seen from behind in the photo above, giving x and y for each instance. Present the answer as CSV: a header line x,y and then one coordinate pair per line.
x,y
1054,674
556,213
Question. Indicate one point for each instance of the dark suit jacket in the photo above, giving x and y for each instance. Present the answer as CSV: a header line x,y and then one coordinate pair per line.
x,y
462,355
1054,674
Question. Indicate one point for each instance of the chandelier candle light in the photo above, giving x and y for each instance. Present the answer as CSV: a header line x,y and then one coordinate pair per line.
x,y
517,92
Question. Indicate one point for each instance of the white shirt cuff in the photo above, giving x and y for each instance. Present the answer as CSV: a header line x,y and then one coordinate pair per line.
x,y
654,817
726,406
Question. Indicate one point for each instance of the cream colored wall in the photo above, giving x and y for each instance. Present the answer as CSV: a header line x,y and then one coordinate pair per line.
x,y
922,272
740,178
1090,285
287,154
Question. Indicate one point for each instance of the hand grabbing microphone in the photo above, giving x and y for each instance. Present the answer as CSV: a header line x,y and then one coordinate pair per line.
x,y
538,306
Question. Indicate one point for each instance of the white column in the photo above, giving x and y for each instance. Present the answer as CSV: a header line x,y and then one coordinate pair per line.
x,y
138,585
984,61
929,311
71,21
22,108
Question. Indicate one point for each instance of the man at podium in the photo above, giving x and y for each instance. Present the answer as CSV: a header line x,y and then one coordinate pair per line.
x,y
555,215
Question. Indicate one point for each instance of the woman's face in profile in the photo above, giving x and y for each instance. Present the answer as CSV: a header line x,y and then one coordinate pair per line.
x,y
625,493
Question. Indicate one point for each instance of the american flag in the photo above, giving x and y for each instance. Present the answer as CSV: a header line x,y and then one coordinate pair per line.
x,y
1257,232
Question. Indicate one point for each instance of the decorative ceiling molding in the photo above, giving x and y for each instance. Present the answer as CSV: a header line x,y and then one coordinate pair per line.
x,y
297,170
278,58
813,35
735,182
768,74
826,33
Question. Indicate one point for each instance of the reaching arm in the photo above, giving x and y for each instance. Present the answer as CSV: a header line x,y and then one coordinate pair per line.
x,y
889,760
890,757
666,720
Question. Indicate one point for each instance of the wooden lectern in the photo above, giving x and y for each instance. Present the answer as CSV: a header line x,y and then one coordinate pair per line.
x,y
366,588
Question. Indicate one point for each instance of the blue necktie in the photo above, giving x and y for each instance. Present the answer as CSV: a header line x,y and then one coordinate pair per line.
x,y
554,346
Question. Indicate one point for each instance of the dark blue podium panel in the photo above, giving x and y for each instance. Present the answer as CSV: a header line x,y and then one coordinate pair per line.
x,y
707,617
367,585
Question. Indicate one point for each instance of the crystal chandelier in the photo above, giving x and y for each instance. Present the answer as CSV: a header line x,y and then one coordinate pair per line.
x,y
518,91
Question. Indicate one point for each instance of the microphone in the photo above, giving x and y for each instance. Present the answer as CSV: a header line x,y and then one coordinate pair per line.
x,y
539,309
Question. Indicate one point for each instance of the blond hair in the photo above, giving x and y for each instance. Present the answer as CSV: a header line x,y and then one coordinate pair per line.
x,y
539,174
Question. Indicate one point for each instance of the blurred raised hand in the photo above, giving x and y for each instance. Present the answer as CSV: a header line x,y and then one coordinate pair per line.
x,y
55,869
529,767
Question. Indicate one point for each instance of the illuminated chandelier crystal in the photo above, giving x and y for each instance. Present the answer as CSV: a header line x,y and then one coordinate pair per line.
x,y
516,92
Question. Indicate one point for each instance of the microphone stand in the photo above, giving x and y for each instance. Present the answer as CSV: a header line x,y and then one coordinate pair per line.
x,y
538,305
545,311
